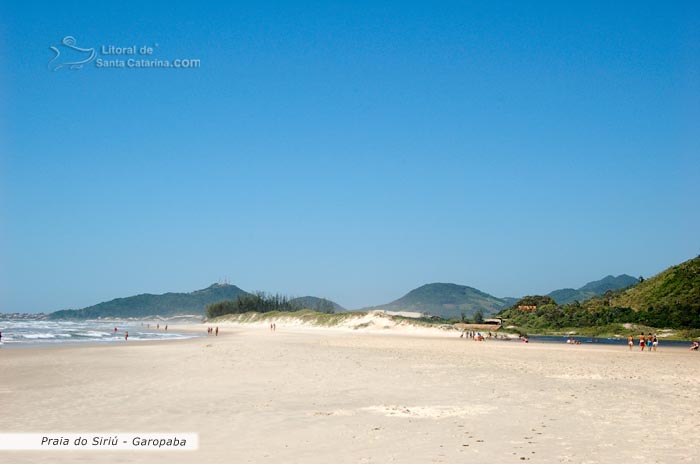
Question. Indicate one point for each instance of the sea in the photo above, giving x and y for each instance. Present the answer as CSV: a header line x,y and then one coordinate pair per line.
x,y
19,333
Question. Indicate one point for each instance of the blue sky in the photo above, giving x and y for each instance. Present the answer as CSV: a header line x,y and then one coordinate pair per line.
x,y
347,150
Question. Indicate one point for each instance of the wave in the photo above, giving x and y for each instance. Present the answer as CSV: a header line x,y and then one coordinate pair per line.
x,y
90,334
38,336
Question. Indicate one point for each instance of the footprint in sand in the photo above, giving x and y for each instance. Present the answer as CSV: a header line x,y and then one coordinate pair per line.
x,y
429,412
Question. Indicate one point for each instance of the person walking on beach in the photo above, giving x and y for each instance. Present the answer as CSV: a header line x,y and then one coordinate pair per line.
x,y
654,342
217,330
641,341
649,342
126,336
630,341
166,327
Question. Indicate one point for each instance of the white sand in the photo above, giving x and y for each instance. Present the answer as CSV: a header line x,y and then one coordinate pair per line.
x,y
324,396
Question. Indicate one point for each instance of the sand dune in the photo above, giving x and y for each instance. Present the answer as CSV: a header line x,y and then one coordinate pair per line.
x,y
320,396
370,321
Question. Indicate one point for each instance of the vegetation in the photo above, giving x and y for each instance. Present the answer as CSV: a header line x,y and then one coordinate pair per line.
x,y
446,300
303,315
260,302
669,300
144,305
676,287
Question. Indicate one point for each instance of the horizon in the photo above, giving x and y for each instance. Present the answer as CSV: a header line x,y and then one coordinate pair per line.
x,y
345,152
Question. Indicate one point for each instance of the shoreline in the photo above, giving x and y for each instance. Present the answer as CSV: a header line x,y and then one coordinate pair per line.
x,y
228,328
245,330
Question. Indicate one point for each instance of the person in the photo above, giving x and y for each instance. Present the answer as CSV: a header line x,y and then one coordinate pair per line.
x,y
649,341
630,341
0,336
217,330
641,341
695,346
166,327
654,342
126,336
157,326
115,330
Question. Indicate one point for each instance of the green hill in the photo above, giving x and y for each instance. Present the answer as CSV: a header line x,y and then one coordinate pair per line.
x,y
599,287
670,299
446,300
167,304
321,305
676,287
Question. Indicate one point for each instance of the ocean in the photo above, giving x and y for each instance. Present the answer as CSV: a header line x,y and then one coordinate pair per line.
x,y
18,333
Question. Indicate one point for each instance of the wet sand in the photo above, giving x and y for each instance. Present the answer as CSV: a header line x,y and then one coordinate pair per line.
x,y
320,396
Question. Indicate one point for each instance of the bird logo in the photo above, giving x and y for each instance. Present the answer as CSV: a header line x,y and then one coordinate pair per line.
x,y
70,56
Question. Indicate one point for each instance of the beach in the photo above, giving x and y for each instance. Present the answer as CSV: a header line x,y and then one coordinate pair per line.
x,y
314,395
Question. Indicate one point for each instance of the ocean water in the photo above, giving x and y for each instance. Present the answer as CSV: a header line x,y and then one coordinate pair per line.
x,y
18,333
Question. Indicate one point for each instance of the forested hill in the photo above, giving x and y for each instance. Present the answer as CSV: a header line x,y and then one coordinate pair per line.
x,y
677,286
146,304
446,300
669,299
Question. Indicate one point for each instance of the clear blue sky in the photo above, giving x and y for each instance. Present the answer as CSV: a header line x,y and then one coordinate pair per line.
x,y
352,151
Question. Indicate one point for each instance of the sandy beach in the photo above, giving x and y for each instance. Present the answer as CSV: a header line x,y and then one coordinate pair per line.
x,y
319,396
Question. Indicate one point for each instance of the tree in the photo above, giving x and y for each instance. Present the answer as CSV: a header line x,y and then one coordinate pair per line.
x,y
478,317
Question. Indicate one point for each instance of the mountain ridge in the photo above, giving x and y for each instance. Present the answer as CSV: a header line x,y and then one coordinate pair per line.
x,y
591,289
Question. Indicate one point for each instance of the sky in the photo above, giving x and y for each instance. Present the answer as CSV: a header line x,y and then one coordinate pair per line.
x,y
352,150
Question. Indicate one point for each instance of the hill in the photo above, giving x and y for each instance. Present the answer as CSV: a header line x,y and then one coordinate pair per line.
x,y
670,299
591,289
676,287
146,304
321,305
446,300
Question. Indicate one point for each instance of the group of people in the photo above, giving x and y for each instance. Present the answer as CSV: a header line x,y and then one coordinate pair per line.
x,y
213,330
650,342
471,334
478,336
273,327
